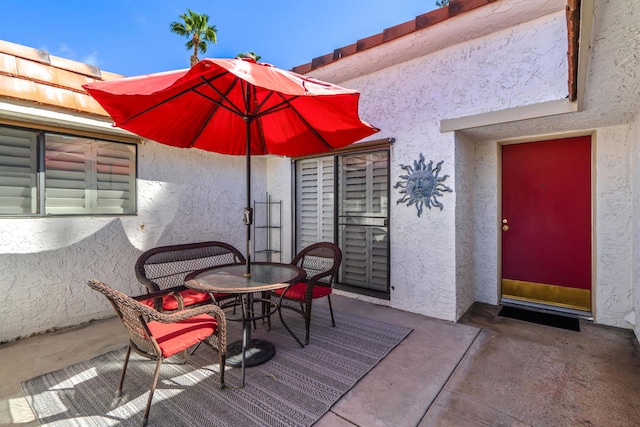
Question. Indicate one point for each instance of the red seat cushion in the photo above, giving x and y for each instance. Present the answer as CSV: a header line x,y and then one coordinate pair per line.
x,y
298,290
175,337
189,296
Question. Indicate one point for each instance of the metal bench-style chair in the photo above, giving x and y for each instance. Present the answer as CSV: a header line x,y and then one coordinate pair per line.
x,y
158,336
321,261
165,267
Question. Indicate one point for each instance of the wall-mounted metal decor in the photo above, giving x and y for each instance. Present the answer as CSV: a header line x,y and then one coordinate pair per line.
x,y
421,186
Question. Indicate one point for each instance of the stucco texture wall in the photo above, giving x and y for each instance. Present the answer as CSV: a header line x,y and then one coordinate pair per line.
x,y
613,222
635,316
279,173
432,267
183,196
485,222
465,231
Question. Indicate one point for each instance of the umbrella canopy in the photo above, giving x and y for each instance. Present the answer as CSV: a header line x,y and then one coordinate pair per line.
x,y
238,107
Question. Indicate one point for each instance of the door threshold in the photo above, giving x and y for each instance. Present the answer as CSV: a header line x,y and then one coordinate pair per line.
x,y
549,309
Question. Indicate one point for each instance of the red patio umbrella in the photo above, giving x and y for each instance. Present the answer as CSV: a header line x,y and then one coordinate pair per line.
x,y
238,107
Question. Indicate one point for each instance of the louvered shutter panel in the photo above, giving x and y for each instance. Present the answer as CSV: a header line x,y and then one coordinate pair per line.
x,y
363,231
352,231
85,176
18,172
315,189
115,177
67,175
379,234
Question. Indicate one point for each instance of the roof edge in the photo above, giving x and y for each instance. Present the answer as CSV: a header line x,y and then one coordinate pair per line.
x,y
420,22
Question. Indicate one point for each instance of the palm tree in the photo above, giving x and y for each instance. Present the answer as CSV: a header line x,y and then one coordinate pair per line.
x,y
252,55
196,28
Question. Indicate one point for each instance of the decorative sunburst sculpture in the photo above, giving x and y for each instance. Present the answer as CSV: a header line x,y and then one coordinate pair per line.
x,y
421,185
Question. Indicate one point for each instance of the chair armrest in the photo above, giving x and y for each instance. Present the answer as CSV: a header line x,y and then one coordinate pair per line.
x,y
315,280
158,294
177,316
158,297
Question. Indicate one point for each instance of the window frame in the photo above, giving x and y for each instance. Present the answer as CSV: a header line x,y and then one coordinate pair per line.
x,y
358,148
94,140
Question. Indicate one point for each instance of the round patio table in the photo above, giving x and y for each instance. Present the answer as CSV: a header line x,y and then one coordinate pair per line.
x,y
231,279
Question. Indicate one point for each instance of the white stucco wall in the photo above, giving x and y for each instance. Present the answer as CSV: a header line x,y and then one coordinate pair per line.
x,y
279,183
614,209
465,230
516,66
485,222
634,316
183,196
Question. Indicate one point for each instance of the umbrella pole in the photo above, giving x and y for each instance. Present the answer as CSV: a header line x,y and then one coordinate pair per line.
x,y
248,211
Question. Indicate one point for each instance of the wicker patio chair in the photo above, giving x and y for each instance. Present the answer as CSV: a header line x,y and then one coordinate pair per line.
x,y
165,267
158,336
321,261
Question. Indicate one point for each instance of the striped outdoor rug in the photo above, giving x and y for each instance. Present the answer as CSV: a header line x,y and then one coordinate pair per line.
x,y
295,388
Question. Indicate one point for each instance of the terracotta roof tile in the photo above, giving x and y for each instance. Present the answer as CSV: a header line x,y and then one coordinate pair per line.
x,y
344,51
11,87
25,52
8,64
435,16
32,75
30,70
51,95
399,30
76,67
87,104
369,42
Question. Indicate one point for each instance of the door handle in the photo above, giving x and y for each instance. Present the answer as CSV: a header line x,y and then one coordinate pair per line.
x,y
505,227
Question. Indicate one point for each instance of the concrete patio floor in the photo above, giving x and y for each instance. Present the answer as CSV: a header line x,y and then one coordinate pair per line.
x,y
485,370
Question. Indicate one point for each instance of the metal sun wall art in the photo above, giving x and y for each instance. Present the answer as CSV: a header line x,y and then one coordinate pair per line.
x,y
421,186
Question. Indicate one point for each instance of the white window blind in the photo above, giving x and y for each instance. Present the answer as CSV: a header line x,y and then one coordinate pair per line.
x,y
86,176
18,172
361,221
315,190
363,232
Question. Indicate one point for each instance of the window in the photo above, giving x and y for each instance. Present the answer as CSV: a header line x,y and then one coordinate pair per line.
x,y
46,173
363,220
344,199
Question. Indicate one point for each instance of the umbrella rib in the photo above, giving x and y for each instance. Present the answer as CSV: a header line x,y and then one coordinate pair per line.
x,y
256,117
164,101
307,124
224,96
278,107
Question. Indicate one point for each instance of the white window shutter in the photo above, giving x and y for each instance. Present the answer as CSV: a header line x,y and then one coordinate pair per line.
x,y
67,175
315,188
84,176
363,231
18,171
115,175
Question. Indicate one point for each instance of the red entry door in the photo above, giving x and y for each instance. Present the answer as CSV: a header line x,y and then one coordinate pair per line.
x,y
546,222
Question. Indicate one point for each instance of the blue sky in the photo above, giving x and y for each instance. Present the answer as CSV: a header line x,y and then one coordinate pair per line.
x,y
132,37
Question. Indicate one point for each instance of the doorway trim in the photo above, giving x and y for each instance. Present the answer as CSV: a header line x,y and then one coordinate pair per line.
x,y
535,305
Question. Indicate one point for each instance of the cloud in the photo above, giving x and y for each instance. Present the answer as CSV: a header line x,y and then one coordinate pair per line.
x,y
65,51
91,59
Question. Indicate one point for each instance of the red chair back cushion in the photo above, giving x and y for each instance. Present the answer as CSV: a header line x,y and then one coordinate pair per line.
x,y
175,337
